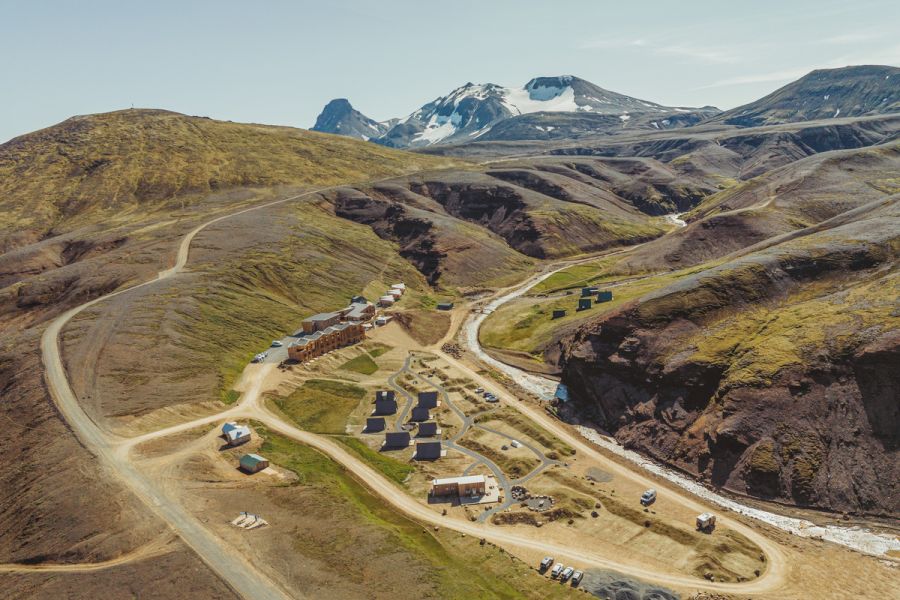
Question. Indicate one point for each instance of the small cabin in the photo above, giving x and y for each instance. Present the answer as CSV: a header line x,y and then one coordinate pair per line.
x,y
396,439
706,522
588,291
428,399
374,425
419,413
428,451
445,306
253,463
559,313
604,296
584,303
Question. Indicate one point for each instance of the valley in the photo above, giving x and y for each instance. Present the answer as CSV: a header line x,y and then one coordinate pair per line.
x,y
705,307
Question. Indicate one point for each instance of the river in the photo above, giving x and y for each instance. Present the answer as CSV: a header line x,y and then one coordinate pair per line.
x,y
855,538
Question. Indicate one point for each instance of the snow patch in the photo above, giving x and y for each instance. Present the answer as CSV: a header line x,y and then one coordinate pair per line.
x,y
520,101
836,113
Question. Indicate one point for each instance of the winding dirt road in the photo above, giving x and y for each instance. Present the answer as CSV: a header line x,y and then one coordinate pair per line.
x,y
114,453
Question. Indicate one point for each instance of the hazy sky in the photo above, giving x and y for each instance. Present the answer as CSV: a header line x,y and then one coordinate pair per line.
x,y
280,62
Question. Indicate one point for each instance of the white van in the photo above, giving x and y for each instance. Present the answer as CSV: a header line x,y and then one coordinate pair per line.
x,y
648,497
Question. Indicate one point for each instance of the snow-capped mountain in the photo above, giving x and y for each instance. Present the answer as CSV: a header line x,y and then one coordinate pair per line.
x,y
471,111
340,117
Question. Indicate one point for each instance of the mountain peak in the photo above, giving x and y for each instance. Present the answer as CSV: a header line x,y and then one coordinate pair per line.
x,y
852,91
341,118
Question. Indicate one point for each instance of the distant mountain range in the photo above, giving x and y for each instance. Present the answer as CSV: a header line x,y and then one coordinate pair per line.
x,y
567,107
473,111
822,94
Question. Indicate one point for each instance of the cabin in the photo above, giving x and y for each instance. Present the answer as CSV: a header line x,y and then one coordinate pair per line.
x,y
559,313
445,306
428,399
428,429
386,300
584,303
428,451
419,413
604,296
374,425
706,522
385,395
396,439
468,486
384,407
253,463
588,291
235,434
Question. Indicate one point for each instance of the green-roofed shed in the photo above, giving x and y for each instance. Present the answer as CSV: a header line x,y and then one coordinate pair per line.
x,y
253,463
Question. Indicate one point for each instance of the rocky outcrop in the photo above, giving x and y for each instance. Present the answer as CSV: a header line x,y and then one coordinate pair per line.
x,y
802,406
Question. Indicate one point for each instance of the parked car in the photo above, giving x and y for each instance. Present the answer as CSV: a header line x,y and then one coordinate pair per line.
x,y
486,394
567,572
577,577
260,357
515,444
648,497
479,390
557,570
545,564
277,344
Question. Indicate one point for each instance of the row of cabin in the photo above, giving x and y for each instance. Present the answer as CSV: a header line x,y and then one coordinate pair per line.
x,y
392,295
235,435
425,428
399,440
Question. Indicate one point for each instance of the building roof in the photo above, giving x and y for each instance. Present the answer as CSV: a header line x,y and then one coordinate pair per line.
x,y
358,309
323,317
252,459
460,480
428,450
237,433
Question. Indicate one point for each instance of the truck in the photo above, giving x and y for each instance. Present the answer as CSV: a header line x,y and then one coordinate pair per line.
x,y
706,522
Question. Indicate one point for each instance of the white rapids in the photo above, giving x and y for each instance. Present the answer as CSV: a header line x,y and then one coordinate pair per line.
x,y
856,538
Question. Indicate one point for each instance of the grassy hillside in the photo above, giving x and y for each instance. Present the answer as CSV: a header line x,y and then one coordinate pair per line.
x,y
89,168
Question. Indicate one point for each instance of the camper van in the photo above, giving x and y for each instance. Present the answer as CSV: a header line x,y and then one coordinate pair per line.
x,y
648,497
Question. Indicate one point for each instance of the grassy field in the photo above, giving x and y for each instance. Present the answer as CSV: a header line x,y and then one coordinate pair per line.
x,y
425,326
124,163
451,566
258,294
362,364
321,406
391,467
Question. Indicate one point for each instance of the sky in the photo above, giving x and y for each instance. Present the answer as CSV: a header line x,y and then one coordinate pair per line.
x,y
280,62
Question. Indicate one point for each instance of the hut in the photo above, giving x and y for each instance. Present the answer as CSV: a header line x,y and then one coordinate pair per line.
x,y
385,395
428,399
428,429
253,463
374,425
604,296
384,407
588,291
427,451
445,306
235,434
419,413
396,439
584,303
559,313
